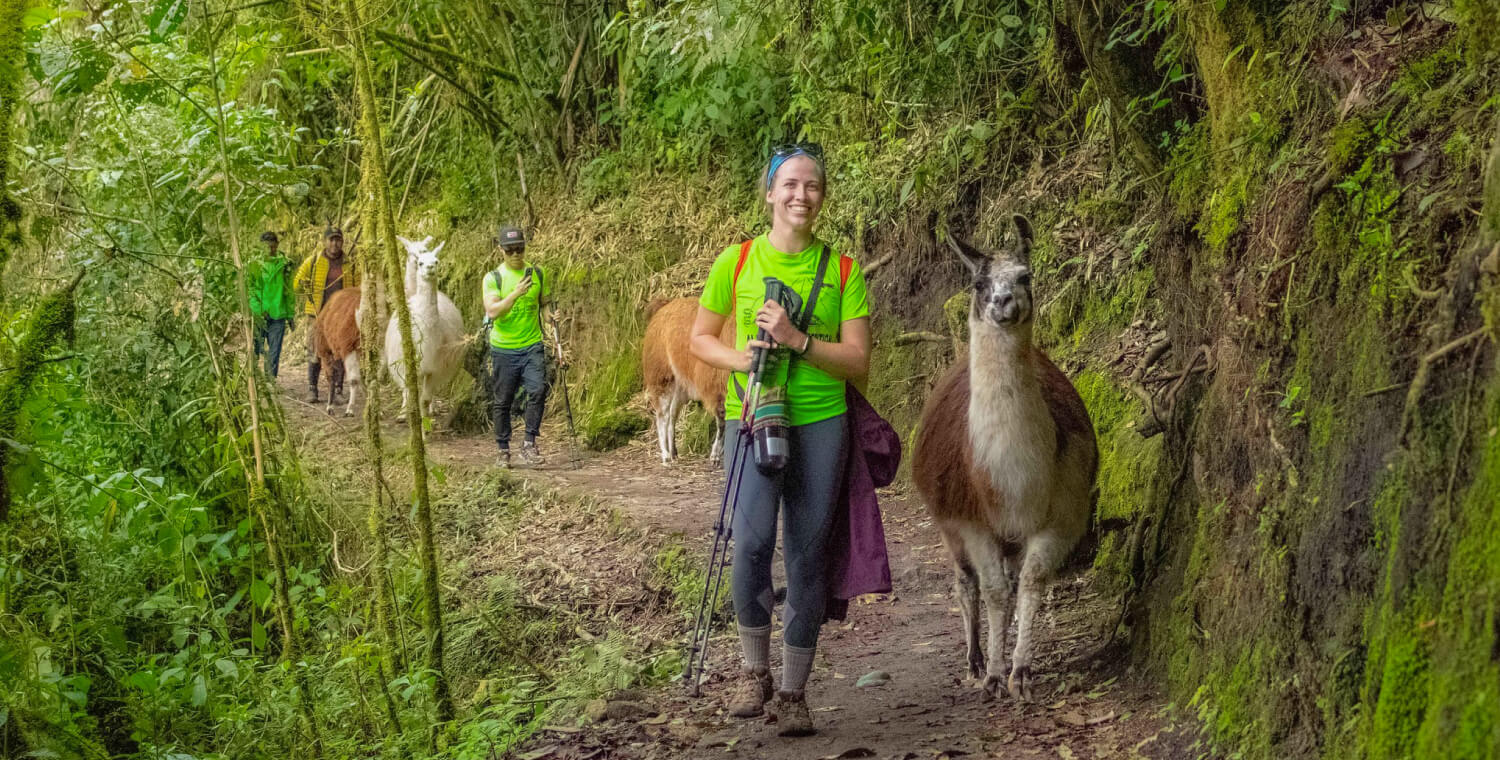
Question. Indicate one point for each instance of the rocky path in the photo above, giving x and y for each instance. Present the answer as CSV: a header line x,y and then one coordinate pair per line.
x,y
1089,705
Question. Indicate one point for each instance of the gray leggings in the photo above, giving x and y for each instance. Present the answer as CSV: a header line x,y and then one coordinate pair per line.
x,y
805,491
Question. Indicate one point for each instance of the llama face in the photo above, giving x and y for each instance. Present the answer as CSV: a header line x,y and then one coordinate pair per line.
x,y
423,259
1002,283
427,262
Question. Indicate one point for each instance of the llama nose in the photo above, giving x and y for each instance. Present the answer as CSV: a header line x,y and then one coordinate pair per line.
x,y
1005,305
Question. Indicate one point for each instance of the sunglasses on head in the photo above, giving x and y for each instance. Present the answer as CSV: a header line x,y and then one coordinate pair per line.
x,y
791,149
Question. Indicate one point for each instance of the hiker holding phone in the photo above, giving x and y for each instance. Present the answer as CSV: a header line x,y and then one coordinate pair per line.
x,y
818,351
514,295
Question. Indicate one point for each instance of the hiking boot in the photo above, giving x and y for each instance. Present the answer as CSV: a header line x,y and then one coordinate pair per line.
x,y
504,458
530,454
750,693
792,716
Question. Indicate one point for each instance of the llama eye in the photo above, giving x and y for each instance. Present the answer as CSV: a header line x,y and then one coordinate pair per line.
x,y
1024,280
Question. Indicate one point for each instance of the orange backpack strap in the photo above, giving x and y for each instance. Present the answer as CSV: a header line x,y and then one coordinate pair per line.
x,y
846,265
734,284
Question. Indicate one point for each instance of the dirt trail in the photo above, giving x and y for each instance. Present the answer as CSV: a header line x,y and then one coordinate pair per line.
x,y
1087,706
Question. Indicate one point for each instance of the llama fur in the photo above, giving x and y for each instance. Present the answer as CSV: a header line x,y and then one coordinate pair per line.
x,y
673,376
336,341
437,330
1005,461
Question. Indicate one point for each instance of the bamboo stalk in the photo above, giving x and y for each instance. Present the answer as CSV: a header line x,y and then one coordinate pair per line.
x,y
379,188
259,495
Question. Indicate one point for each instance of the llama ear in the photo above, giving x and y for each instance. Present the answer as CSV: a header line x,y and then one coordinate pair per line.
x,y
427,241
972,257
1023,238
439,247
407,244
1023,229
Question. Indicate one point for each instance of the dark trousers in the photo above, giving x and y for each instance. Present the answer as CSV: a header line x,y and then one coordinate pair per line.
x,y
805,495
511,368
314,365
268,337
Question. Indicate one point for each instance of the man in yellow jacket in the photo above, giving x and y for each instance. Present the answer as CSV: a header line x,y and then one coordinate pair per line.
x,y
317,279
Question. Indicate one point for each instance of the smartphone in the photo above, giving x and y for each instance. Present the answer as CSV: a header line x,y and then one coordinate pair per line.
x,y
526,272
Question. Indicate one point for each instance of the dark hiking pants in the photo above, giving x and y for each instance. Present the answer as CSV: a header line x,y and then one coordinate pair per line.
x,y
804,494
314,364
512,368
268,337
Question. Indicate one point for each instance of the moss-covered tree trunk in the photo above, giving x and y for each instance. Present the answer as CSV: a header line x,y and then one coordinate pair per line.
x,y
384,224
11,39
372,318
50,324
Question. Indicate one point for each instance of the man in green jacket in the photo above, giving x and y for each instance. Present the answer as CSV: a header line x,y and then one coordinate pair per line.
x,y
271,301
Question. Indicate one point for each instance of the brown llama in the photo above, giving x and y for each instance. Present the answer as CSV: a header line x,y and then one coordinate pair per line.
x,y
337,341
673,376
1005,461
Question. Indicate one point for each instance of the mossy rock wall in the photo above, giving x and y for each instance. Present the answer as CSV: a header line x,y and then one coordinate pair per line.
x,y
1312,566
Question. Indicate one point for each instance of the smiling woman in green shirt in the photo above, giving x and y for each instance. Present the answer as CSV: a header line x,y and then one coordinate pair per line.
x,y
834,350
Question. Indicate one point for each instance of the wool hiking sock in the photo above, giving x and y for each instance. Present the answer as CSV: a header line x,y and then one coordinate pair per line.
x,y
796,666
756,643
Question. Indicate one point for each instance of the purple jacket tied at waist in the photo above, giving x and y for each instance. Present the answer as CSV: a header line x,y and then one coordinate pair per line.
x,y
857,558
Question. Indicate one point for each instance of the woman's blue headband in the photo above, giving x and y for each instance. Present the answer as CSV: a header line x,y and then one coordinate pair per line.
x,y
781,157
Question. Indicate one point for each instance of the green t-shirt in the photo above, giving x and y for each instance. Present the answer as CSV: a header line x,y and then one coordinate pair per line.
x,y
520,327
812,394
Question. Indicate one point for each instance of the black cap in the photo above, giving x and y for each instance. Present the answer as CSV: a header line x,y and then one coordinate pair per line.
x,y
333,232
269,237
510,237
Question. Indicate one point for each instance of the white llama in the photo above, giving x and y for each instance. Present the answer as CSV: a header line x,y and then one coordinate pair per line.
x,y
437,329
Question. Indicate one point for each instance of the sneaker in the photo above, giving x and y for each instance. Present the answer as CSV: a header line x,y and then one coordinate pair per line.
x,y
750,693
792,715
504,458
530,454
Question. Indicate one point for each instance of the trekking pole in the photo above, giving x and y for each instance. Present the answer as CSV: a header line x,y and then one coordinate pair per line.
x,y
562,379
718,557
718,560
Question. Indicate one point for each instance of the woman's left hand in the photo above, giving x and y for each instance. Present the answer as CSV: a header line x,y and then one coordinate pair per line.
x,y
774,320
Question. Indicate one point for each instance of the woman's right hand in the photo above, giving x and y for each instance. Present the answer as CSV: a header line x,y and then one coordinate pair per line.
x,y
747,359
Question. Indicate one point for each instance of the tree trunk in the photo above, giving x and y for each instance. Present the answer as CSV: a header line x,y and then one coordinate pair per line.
x,y
385,243
11,39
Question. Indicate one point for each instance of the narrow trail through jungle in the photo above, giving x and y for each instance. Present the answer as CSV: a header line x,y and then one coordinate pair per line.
x,y
1088,704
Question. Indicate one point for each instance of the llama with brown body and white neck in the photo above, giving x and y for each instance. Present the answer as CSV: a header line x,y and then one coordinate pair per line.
x,y
1005,461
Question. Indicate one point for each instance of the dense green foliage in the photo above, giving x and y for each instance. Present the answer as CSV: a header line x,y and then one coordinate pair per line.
x,y
1312,563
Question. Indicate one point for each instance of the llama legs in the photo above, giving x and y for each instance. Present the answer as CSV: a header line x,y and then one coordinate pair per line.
x,y
659,414
984,551
351,376
966,588
716,453
429,394
678,400
1044,552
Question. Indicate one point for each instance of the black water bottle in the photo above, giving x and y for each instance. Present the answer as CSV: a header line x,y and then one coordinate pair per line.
x,y
773,449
